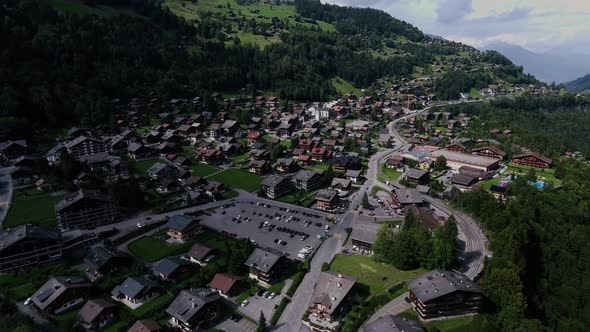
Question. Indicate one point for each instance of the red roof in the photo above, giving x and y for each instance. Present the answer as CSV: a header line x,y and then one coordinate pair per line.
x,y
303,157
253,135
224,282
318,151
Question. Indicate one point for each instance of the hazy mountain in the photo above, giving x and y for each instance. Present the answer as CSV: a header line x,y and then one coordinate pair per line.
x,y
559,65
580,84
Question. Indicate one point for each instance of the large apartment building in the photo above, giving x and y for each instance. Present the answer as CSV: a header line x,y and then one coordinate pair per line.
x,y
84,146
85,209
28,245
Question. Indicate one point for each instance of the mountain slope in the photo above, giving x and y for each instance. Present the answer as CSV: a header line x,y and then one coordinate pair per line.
x,y
579,85
549,67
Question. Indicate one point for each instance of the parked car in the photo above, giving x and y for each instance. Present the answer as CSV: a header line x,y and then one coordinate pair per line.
x,y
245,303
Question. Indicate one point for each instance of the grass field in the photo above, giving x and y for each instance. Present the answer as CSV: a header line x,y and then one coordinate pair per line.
x,y
378,276
22,211
153,304
390,174
488,183
344,87
141,167
377,189
153,248
203,169
542,174
472,323
295,197
238,178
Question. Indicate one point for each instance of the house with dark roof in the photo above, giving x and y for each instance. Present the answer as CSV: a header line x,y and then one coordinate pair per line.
x,y
327,200
170,268
440,293
12,149
265,265
342,186
417,176
135,291
424,217
308,179
85,209
162,170
332,291
27,245
96,314
285,165
145,325
353,175
201,254
344,163
456,147
363,236
464,180
226,284
490,152
533,160
275,186
181,227
101,261
390,323
258,166
84,146
194,308
60,294
395,161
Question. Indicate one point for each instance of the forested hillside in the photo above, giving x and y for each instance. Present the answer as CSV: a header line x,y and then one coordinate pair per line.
x,y
579,85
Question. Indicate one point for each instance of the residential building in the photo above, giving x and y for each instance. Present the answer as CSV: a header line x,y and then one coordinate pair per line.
x,y
456,147
424,217
285,165
258,166
390,323
12,149
265,265
160,171
194,308
145,325
407,197
135,291
201,254
417,176
490,152
440,293
275,186
85,209
181,227
96,314
464,180
395,161
332,291
533,160
170,268
226,284
344,163
353,175
84,146
342,186
363,236
28,245
101,261
60,295
327,200
308,180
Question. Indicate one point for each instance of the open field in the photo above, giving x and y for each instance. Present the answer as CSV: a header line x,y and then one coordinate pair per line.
x,y
542,174
238,178
203,169
154,248
21,212
390,173
378,276
141,167
344,87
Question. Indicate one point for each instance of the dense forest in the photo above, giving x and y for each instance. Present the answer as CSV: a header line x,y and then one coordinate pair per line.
x,y
541,252
549,125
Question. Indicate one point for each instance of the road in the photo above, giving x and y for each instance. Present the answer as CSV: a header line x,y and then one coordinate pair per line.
x,y
5,194
395,307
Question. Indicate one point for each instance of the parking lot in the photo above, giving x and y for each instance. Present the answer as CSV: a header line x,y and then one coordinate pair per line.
x,y
258,303
275,226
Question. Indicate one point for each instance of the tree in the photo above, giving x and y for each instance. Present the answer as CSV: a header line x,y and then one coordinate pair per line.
x,y
440,164
365,201
329,174
277,151
261,323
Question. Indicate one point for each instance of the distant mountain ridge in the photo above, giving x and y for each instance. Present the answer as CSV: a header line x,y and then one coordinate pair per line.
x,y
552,66
579,85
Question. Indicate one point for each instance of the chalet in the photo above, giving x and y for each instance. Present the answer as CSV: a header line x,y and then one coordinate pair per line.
x,y
229,127
193,182
275,186
101,261
193,309
285,165
395,161
265,265
169,268
200,253
210,155
145,325
464,180
214,188
326,199
214,130
83,146
258,166
139,151
533,160
424,217
160,171
135,291
258,154
54,154
96,314
441,293
332,291
407,197
363,236
286,129
389,323
385,140
253,137
308,180
456,147
425,164
490,152
225,284
60,295
85,209
353,175
13,149
417,176
342,186
181,227
28,245
319,154
22,175
345,163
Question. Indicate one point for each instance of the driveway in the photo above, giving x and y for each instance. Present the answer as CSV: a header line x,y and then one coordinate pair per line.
x,y
395,307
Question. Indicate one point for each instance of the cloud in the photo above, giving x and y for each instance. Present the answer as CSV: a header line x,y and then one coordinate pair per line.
x,y
513,15
451,11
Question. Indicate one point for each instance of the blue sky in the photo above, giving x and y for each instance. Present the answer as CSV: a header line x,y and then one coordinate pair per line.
x,y
538,25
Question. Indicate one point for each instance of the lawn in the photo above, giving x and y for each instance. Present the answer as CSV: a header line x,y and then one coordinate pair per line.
x,y
277,288
390,174
203,170
295,197
142,167
471,323
344,87
238,178
542,174
240,159
21,211
154,248
377,189
246,294
153,304
489,183
377,276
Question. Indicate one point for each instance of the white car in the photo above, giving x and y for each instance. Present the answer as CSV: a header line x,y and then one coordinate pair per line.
x,y
245,303
28,301
272,296
140,224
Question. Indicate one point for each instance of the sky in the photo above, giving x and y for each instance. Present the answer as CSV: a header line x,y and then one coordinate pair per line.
x,y
537,25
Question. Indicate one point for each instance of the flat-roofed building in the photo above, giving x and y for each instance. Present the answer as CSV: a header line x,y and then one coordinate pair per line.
x,y
456,160
326,199
440,293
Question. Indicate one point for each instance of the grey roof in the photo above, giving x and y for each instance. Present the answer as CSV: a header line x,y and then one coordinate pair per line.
x,y
167,266
331,289
228,124
133,286
8,238
4,145
92,309
273,180
306,175
57,148
98,257
409,196
389,323
326,194
463,179
365,232
353,173
81,139
199,251
190,301
157,168
437,283
262,260
416,174
179,222
338,182
54,287
465,158
78,196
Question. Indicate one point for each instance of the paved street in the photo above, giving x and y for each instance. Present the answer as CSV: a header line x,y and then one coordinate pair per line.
x,y
397,306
